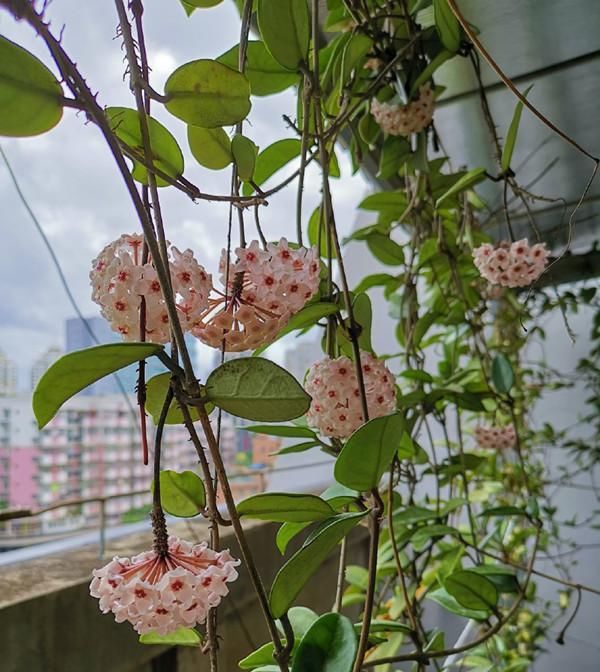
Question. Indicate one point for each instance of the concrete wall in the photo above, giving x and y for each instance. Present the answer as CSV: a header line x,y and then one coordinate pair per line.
x,y
49,623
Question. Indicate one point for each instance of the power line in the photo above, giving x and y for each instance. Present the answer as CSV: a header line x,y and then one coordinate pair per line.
x,y
60,272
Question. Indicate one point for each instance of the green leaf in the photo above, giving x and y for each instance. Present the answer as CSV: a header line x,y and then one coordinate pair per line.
x,y
166,153
182,493
471,590
315,227
369,452
271,159
378,280
394,153
301,618
329,645
291,431
262,656
257,389
427,73
211,147
156,392
286,533
504,511
468,180
297,448
363,314
30,95
502,374
181,637
264,73
385,249
285,507
424,534
447,25
444,599
296,572
504,578
393,202
244,154
511,136
303,319
77,370
207,93
284,27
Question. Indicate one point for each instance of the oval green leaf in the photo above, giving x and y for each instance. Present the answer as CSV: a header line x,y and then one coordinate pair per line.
x,y
296,572
182,493
285,28
166,153
471,590
30,95
329,645
264,73
285,507
156,392
207,93
257,389
77,370
211,147
244,154
502,374
181,637
369,452
271,159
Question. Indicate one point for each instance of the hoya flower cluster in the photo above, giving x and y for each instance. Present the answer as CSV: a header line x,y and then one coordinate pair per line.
x,y
264,288
495,437
336,408
120,280
161,593
511,265
405,119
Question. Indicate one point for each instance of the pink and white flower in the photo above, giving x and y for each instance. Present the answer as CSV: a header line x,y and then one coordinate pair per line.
x,y
264,288
495,437
336,408
511,264
120,281
405,119
161,593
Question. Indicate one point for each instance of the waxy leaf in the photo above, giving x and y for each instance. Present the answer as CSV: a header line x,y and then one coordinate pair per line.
x,y
166,154
264,73
329,645
271,159
296,572
30,95
207,93
261,656
257,389
511,136
286,533
444,599
502,374
156,393
182,493
369,452
211,147
285,507
289,431
181,637
465,182
285,29
447,25
244,154
472,590
385,249
77,370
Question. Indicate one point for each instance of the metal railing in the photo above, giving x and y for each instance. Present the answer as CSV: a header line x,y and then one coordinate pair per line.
x,y
20,513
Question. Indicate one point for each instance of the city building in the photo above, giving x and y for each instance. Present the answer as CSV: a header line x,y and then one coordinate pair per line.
x,y
43,363
8,376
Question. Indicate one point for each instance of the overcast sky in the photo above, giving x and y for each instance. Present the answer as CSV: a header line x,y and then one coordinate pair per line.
x,y
71,183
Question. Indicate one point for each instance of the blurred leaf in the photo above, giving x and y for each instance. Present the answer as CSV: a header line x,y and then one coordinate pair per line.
x,y
502,374
467,181
285,507
447,25
443,598
292,431
244,154
385,250
471,590
513,131
181,637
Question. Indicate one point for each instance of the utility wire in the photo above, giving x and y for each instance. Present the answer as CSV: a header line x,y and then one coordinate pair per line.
x,y
59,270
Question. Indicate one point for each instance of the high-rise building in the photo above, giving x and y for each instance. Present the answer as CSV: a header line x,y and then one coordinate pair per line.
x,y
300,356
8,376
43,363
